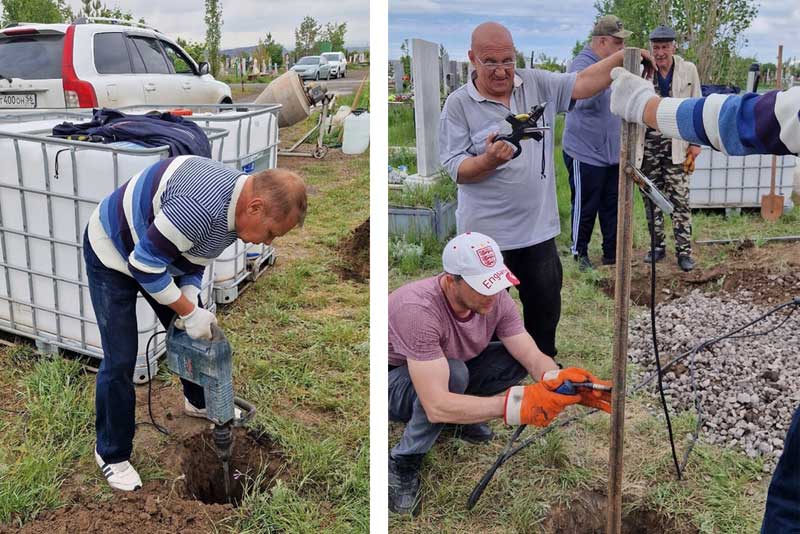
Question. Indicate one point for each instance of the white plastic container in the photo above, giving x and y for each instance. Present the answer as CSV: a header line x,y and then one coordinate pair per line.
x,y
356,132
721,181
43,289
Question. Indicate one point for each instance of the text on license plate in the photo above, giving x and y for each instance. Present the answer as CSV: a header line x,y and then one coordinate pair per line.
x,y
18,101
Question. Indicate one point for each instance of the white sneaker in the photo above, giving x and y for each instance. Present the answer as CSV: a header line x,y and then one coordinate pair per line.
x,y
192,411
121,476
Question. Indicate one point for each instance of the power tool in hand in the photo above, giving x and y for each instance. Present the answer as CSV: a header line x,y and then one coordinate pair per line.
x,y
209,365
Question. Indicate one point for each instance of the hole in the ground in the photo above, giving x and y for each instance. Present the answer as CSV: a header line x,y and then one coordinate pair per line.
x,y
255,460
587,515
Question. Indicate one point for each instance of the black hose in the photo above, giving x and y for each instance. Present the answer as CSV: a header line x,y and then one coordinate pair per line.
x,y
152,421
654,335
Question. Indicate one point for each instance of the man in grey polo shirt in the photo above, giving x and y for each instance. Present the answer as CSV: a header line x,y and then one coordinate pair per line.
x,y
514,201
591,151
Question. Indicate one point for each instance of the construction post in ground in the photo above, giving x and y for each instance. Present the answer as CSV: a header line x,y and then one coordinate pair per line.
x,y
622,291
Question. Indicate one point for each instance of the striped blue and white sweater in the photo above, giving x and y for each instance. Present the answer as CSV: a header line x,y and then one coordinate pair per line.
x,y
170,220
768,123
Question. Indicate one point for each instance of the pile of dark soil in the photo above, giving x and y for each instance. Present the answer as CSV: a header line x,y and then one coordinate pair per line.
x,y
354,252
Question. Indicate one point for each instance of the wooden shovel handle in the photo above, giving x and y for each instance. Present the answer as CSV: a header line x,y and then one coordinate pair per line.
x,y
779,86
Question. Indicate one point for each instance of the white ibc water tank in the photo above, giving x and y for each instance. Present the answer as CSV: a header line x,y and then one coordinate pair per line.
x,y
356,132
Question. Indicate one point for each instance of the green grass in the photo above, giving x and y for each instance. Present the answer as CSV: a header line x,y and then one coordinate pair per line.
x,y
404,157
401,125
40,446
306,366
425,196
724,491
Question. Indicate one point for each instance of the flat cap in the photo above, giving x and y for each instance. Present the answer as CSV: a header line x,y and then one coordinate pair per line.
x,y
662,33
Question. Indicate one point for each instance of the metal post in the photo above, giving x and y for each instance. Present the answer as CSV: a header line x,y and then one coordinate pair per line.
x,y
622,291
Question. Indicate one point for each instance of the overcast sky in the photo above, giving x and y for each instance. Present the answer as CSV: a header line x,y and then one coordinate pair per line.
x,y
245,21
553,26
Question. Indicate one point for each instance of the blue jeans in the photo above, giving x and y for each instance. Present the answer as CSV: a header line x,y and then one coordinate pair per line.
x,y
782,515
114,301
492,371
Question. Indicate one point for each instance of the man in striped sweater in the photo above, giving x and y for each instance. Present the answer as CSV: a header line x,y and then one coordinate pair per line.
x,y
155,235
738,125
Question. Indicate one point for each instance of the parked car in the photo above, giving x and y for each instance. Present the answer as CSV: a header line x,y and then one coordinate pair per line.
x,y
338,63
99,62
313,68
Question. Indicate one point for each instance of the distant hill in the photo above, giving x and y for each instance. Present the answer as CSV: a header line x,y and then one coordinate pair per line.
x,y
249,50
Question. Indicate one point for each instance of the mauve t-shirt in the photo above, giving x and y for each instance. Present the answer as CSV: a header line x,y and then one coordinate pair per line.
x,y
422,325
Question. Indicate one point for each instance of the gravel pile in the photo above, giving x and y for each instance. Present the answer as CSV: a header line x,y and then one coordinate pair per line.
x,y
748,388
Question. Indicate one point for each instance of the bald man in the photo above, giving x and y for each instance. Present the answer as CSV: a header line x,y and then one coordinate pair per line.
x,y
155,235
514,201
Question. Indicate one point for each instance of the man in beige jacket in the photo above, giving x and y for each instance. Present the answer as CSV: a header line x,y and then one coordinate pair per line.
x,y
668,162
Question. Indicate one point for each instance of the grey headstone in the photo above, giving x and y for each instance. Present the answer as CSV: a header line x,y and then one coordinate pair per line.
x,y
399,72
427,106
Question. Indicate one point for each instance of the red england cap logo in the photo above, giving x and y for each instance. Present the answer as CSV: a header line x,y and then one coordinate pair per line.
x,y
486,256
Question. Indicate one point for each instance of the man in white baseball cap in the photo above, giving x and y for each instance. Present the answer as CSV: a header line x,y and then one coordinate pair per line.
x,y
445,368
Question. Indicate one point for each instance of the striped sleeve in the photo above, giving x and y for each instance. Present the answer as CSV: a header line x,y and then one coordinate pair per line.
x,y
176,228
768,123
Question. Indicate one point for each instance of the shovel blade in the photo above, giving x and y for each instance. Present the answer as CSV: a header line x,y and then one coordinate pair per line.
x,y
771,207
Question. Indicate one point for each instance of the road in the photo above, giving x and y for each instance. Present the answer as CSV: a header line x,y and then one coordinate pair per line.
x,y
344,86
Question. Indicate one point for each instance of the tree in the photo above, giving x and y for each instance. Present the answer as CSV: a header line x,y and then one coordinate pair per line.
x,y
41,11
709,32
406,57
334,34
213,21
98,9
196,49
580,45
520,59
269,51
306,37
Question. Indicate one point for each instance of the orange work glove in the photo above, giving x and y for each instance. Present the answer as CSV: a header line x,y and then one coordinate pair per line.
x,y
535,405
593,398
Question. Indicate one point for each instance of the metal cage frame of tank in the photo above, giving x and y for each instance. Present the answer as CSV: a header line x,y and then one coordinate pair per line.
x,y
725,176
46,341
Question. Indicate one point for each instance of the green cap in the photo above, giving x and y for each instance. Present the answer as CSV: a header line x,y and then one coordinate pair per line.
x,y
610,25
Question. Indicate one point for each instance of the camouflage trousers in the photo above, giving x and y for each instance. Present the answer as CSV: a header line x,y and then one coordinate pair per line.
x,y
670,179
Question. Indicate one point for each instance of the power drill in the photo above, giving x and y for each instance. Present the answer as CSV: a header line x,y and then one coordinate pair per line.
x,y
209,365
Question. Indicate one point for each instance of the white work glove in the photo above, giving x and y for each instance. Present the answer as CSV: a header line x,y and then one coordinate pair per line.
x,y
191,292
629,95
197,324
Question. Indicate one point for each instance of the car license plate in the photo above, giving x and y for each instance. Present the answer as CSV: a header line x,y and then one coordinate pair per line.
x,y
23,100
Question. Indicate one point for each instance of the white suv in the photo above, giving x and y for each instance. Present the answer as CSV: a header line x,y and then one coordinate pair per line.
x,y
337,62
96,62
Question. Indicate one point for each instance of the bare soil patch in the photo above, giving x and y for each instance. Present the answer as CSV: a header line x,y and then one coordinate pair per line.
x,y
587,515
768,275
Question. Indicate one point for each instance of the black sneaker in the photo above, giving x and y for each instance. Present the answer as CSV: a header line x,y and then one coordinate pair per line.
x,y
686,263
660,255
584,264
404,496
609,261
474,433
